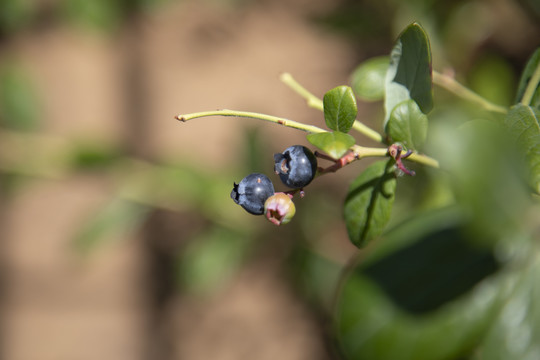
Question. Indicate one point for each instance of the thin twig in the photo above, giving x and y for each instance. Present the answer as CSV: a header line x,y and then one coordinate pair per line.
x,y
253,115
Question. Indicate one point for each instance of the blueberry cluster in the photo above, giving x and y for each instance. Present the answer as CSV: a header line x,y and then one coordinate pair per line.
x,y
296,167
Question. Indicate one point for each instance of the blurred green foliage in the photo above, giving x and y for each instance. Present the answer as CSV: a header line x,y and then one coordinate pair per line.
x,y
433,285
211,259
15,15
499,89
101,14
105,14
19,101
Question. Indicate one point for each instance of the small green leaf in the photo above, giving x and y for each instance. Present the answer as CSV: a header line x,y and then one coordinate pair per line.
x,y
340,108
531,66
368,78
408,125
523,123
423,293
113,220
409,73
369,202
335,144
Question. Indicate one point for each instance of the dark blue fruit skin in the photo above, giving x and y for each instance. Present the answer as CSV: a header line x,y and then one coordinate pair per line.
x,y
296,166
252,192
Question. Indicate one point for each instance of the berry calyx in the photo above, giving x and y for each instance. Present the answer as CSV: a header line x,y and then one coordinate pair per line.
x,y
296,166
252,192
394,151
279,208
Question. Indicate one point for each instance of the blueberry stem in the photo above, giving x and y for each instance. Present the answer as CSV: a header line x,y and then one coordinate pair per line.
x,y
317,103
323,156
253,115
293,192
361,151
341,162
423,159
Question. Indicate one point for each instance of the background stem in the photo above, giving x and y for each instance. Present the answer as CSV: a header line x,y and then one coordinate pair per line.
x,y
450,84
531,87
317,103
312,100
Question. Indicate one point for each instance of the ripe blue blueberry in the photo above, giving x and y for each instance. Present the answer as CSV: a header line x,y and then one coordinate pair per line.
x,y
296,166
252,192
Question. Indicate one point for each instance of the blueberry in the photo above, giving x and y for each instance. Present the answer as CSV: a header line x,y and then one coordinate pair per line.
x,y
252,192
296,166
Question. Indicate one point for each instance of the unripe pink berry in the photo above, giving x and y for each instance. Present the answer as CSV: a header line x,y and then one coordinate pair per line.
x,y
279,208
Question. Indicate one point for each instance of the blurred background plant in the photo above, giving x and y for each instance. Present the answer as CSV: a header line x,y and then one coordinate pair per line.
x,y
90,154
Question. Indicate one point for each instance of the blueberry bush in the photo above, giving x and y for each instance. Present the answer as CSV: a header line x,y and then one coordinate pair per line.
x,y
454,271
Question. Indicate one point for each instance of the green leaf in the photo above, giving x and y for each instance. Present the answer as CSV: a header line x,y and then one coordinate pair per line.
x,y
115,219
523,123
335,144
423,293
531,66
340,108
369,202
516,333
407,125
409,73
368,78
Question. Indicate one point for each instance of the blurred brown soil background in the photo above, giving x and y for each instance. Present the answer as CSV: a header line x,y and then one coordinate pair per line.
x,y
191,56
120,302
